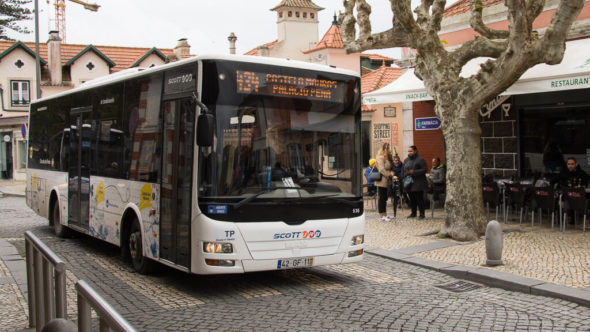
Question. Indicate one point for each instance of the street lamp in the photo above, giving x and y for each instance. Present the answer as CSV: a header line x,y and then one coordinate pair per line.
x,y
37,55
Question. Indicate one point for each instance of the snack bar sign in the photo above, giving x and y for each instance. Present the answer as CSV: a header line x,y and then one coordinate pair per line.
x,y
427,123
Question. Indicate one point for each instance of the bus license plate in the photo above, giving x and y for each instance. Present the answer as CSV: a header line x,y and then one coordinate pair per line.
x,y
294,263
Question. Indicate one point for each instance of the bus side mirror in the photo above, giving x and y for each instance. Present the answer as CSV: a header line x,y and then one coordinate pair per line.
x,y
205,126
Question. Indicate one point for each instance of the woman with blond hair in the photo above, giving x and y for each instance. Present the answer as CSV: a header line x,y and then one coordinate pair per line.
x,y
385,166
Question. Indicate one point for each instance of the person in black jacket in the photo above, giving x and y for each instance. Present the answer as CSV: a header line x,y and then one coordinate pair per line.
x,y
415,167
573,176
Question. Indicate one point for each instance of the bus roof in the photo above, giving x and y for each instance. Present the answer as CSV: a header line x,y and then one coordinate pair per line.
x,y
137,72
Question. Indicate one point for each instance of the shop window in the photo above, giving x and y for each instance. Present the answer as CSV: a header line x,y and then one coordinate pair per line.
x,y
20,93
22,154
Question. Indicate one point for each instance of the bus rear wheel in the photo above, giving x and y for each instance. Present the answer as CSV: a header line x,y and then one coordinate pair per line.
x,y
140,263
59,229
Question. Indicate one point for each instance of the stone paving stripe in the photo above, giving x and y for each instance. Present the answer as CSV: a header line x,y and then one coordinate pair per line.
x,y
426,247
313,281
251,290
364,273
579,296
164,296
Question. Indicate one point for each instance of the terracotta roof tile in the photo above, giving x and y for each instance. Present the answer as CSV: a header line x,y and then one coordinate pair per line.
x,y
254,51
376,57
379,78
464,6
365,108
365,71
297,4
123,57
332,39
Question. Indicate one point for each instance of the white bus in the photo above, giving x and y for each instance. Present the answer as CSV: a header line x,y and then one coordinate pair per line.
x,y
214,164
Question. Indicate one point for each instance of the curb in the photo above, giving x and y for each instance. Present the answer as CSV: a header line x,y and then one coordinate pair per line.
x,y
490,277
16,265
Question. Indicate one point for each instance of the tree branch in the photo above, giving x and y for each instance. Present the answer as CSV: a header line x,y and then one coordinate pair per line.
x,y
552,44
477,24
479,47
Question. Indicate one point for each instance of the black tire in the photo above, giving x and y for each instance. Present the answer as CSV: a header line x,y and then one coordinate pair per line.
x,y
59,229
140,263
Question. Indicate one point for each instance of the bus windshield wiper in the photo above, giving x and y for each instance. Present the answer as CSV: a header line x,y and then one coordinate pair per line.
x,y
265,191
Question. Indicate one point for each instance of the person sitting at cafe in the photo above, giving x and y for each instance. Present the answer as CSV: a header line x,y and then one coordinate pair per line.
x,y
572,177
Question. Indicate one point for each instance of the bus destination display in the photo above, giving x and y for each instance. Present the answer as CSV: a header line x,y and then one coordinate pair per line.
x,y
269,84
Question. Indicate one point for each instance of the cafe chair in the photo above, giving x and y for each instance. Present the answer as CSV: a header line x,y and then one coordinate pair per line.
x,y
516,196
544,198
575,199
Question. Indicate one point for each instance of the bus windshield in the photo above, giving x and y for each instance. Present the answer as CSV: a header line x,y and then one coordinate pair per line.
x,y
271,147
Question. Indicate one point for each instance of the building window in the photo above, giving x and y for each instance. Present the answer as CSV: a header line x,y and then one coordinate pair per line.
x,y
20,93
90,66
280,14
311,15
296,14
304,15
19,64
290,14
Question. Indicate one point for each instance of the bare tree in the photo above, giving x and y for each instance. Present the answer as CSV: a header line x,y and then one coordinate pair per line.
x,y
11,12
458,100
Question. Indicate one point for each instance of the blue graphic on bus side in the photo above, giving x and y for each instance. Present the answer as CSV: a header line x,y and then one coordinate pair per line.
x,y
217,209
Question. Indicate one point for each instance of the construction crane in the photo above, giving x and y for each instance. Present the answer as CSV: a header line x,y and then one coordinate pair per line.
x,y
60,14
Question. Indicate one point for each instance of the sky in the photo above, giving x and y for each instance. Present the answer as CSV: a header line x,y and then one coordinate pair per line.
x,y
205,23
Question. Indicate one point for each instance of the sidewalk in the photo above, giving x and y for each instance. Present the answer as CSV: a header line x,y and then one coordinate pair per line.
x,y
537,261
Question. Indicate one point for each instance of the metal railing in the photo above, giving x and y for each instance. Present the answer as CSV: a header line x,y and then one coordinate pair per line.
x,y
46,282
109,319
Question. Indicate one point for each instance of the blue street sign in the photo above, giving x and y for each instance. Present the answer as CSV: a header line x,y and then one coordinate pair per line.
x,y
427,123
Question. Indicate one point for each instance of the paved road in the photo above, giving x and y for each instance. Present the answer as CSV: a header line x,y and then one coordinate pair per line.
x,y
375,295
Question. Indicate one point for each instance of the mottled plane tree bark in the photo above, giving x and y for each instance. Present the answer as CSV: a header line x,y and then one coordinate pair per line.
x,y
458,100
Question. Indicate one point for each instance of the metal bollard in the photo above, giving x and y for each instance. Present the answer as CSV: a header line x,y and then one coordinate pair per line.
x,y
494,243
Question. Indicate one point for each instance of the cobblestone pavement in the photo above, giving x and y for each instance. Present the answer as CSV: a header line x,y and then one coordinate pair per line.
x,y
539,252
374,295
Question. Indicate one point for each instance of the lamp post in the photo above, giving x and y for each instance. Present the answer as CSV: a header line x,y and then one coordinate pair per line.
x,y
37,55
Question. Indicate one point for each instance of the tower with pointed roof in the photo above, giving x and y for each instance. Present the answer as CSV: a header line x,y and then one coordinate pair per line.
x,y
297,28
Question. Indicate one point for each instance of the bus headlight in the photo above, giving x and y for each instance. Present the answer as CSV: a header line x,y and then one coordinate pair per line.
x,y
218,248
358,239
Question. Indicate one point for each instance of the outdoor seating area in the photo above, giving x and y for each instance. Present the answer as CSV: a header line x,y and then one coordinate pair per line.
x,y
565,207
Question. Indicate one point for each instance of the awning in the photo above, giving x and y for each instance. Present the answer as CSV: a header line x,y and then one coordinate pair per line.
x,y
572,73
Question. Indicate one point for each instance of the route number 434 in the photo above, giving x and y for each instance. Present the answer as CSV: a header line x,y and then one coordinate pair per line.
x,y
356,210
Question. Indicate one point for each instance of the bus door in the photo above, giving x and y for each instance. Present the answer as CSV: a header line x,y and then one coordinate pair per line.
x,y
176,190
79,166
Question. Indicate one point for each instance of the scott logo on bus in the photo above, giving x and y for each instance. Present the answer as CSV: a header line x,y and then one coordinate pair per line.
x,y
298,235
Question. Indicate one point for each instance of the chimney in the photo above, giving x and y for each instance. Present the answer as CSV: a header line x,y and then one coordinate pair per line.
x,y
182,49
54,54
263,50
232,43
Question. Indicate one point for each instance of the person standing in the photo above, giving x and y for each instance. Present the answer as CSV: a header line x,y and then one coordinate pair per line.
x,y
384,165
371,184
415,167
437,177
397,188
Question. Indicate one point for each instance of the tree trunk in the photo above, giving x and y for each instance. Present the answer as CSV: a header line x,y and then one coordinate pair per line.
x,y
465,217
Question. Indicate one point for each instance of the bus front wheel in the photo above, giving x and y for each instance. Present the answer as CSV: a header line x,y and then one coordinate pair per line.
x,y
59,229
140,263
